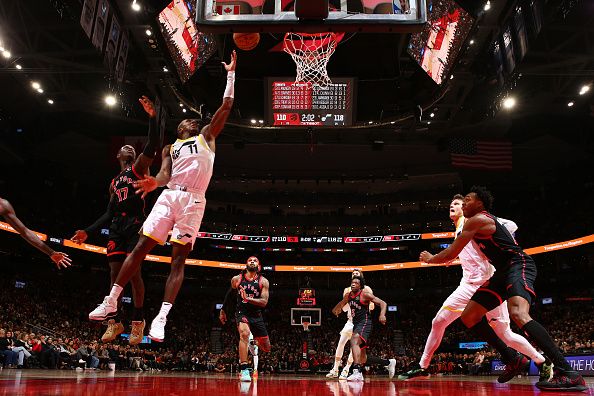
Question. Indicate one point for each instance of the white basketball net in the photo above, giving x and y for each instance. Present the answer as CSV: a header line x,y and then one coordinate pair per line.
x,y
311,53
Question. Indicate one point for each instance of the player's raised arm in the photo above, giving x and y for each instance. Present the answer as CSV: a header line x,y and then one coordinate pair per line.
x,y
7,211
145,159
212,130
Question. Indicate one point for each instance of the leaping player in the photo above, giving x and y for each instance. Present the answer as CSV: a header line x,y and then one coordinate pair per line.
x,y
252,296
346,334
186,171
358,300
126,213
476,270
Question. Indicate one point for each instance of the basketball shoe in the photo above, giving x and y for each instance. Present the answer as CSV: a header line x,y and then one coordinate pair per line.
x,y
157,331
344,374
518,366
563,380
356,376
417,372
107,309
546,371
245,376
332,374
391,368
113,330
137,332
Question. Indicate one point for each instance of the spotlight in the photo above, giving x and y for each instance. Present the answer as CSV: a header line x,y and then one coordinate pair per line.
x,y
252,121
181,105
432,115
370,122
19,67
184,110
50,101
39,90
471,42
451,77
6,54
428,122
509,102
487,6
148,32
165,69
570,104
110,100
584,89
135,6
261,121
35,85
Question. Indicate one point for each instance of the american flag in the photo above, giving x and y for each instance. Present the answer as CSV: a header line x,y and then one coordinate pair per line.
x,y
481,154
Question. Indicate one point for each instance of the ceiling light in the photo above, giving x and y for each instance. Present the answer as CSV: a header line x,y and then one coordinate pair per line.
x,y
451,77
261,121
110,100
370,122
570,104
181,105
135,6
487,6
165,69
471,42
252,121
19,67
35,85
6,54
428,122
432,115
509,102
50,101
392,122
184,110
148,32
39,90
584,89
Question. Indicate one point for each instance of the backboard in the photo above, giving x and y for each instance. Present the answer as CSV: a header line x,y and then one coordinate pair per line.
x,y
399,16
310,315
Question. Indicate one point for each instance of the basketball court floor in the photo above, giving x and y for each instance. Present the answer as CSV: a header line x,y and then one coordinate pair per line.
x,y
44,382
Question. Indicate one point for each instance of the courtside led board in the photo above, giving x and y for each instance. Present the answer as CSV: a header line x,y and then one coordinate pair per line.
x,y
219,16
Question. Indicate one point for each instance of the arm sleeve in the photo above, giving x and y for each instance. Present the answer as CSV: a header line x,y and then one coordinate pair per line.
x,y
150,149
105,217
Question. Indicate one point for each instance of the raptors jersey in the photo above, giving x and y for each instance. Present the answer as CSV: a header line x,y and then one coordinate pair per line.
x,y
253,288
192,163
346,309
127,202
359,310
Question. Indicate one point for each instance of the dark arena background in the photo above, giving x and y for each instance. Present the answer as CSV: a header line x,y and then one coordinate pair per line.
x,y
341,147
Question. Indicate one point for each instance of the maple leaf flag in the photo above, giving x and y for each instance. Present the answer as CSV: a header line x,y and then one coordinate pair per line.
x,y
228,9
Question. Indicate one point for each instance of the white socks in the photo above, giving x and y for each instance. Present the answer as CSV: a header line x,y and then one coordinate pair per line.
x,y
115,292
165,307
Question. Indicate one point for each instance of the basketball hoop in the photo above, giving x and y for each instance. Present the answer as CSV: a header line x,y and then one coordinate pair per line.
x,y
311,53
305,326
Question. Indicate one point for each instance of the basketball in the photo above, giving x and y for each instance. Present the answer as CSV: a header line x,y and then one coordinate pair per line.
x,y
246,41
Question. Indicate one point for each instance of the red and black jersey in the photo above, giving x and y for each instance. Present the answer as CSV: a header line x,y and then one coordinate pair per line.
x,y
253,288
500,248
359,310
127,202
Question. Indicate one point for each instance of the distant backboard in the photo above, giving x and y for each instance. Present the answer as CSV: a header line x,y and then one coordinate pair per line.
x,y
219,16
309,315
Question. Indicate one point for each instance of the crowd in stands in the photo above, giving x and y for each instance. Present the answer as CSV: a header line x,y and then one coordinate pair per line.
x,y
46,328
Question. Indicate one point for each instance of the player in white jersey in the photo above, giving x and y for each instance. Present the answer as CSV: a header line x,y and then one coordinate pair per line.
x,y
476,270
346,334
186,170
253,349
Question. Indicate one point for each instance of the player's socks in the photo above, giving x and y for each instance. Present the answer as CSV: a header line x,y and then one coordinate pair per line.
x,y
542,338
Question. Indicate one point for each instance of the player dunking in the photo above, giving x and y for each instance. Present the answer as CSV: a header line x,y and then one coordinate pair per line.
x,y
9,215
345,335
358,300
186,171
126,213
252,297
513,280
476,270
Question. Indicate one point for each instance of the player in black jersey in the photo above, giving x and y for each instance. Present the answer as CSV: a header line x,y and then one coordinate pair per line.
x,y
126,212
513,280
9,215
252,297
358,300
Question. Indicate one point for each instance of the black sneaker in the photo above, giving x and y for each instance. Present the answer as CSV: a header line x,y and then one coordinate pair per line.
x,y
518,366
415,373
546,371
563,380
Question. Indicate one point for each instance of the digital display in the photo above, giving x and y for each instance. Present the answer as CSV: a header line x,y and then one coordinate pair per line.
x,y
402,237
547,300
251,238
435,48
127,300
214,235
304,104
189,48
392,308
307,297
19,285
219,306
145,339
472,345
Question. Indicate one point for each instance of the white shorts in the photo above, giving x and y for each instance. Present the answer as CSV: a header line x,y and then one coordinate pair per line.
x,y
347,330
177,211
459,299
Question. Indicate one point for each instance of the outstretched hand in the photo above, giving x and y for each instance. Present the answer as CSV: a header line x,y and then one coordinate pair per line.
x,y
79,237
148,106
425,256
145,186
231,66
61,260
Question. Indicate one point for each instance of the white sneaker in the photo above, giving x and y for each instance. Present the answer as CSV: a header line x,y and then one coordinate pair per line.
x,y
356,376
391,368
332,374
344,374
157,331
107,309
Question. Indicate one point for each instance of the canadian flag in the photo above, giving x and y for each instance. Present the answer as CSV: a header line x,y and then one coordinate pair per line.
x,y
228,9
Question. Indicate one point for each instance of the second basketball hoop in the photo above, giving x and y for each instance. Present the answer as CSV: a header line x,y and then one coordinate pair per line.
x,y
311,53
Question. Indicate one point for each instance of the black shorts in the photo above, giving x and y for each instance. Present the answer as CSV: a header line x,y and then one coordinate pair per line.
x,y
123,235
517,280
256,324
363,328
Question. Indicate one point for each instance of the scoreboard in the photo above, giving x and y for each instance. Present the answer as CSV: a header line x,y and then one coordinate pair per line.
x,y
304,104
